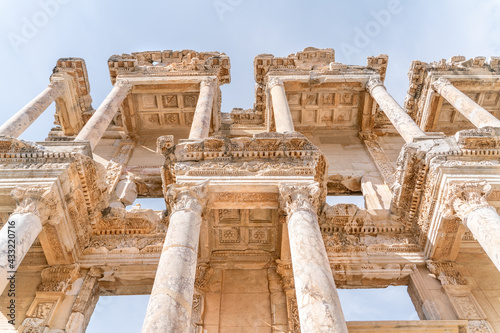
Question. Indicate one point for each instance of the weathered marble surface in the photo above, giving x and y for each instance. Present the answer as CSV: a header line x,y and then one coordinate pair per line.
x,y
201,120
282,115
317,298
19,122
484,223
169,308
99,122
403,123
466,106
26,228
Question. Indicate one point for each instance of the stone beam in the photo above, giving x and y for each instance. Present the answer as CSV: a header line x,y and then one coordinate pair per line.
x,y
403,123
169,308
467,200
317,299
282,115
99,122
203,113
23,119
466,106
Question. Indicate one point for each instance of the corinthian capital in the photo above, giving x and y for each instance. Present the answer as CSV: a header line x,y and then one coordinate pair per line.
x,y
439,84
187,197
296,197
465,197
207,82
38,200
275,82
372,83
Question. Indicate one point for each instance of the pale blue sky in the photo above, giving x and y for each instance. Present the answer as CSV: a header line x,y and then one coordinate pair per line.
x,y
426,30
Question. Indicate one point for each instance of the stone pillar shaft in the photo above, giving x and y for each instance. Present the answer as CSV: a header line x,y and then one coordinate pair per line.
x,y
317,298
203,114
484,223
19,122
282,116
100,120
16,238
169,308
468,201
466,106
403,123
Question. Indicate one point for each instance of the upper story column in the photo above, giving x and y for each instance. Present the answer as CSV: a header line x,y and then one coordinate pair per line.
x,y
203,113
403,123
317,299
34,206
19,122
100,120
282,115
169,308
468,201
466,106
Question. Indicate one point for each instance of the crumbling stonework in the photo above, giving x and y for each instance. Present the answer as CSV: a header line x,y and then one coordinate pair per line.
x,y
247,242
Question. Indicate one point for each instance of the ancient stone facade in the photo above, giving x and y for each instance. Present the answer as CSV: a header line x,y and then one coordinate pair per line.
x,y
247,242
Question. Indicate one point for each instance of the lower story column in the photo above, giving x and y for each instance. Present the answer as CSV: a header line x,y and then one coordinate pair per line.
x,y
21,230
169,308
317,298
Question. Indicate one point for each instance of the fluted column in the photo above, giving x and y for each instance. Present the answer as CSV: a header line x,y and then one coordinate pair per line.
x,y
169,308
282,115
22,228
466,106
19,122
203,114
468,201
317,299
403,123
100,120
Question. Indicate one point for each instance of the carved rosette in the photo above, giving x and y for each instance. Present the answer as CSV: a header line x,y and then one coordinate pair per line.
x,y
294,197
275,82
372,83
439,84
38,200
182,197
464,197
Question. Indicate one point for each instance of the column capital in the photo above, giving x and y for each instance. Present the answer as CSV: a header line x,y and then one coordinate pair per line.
x,y
38,200
187,197
207,82
439,84
464,197
275,82
57,84
125,85
372,83
294,197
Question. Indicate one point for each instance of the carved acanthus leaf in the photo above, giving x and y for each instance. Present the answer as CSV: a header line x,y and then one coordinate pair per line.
x,y
38,200
464,197
296,197
187,197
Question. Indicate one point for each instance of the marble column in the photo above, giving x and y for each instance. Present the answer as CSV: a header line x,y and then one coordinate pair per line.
x,y
100,120
468,201
19,122
282,116
403,123
21,230
317,299
466,106
203,114
169,308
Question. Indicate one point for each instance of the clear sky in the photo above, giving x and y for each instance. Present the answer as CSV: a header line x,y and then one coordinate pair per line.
x,y
35,33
